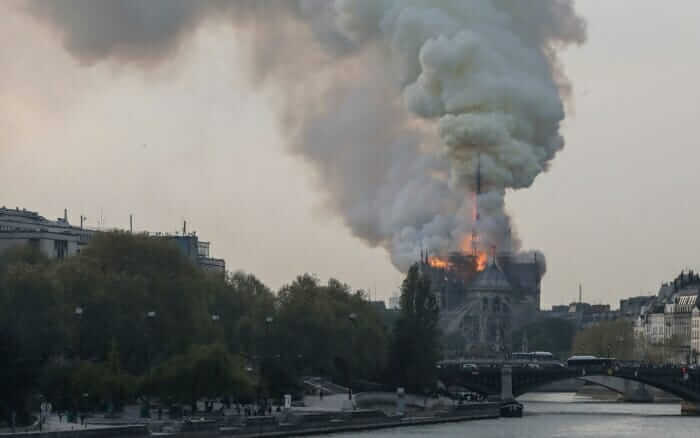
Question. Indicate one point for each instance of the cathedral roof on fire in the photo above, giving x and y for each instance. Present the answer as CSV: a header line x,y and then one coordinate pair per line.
x,y
491,279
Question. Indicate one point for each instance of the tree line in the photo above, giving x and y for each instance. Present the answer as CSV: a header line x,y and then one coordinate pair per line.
x,y
130,318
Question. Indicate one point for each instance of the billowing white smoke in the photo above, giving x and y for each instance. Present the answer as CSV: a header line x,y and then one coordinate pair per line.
x,y
393,101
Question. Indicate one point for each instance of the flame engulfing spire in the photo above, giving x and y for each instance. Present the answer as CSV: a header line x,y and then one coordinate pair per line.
x,y
477,193
395,103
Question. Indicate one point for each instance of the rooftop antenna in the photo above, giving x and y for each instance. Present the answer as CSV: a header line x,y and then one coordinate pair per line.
x,y
580,293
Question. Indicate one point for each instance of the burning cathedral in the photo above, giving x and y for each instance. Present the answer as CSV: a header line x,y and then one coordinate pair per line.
x,y
483,297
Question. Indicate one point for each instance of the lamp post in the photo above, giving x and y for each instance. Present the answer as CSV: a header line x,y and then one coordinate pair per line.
x,y
264,354
215,317
79,315
620,344
353,319
150,317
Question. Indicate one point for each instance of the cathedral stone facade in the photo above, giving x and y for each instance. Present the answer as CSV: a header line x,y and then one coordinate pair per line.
x,y
480,307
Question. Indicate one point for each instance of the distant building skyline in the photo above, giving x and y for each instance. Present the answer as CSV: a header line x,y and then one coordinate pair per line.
x,y
60,239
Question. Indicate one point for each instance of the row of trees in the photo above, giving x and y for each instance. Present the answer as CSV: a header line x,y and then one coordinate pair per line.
x,y
607,339
131,317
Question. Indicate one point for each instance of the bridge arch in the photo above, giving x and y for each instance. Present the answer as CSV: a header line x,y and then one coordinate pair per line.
x,y
524,380
671,381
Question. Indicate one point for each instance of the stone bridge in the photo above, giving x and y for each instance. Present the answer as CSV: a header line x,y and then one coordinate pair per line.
x,y
507,382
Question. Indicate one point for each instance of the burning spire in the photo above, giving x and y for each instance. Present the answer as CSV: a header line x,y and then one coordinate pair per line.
x,y
367,86
477,193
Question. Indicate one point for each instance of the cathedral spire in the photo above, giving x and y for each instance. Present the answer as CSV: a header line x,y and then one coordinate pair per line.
x,y
477,192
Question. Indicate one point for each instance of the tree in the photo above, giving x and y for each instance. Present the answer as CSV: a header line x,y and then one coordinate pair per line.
x,y
319,329
203,371
607,339
415,346
201,325
551,334
30,329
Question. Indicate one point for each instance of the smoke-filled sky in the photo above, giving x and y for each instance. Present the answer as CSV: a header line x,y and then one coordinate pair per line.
x,y
222,113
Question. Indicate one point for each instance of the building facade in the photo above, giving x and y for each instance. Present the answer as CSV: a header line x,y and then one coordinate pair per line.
x,y
55,239
59,239
197,251
669,323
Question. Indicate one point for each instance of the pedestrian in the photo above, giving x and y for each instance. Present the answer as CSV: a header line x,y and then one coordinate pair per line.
x,y
60,416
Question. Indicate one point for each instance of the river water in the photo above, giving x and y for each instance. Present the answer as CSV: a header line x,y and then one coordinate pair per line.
x,y
566,415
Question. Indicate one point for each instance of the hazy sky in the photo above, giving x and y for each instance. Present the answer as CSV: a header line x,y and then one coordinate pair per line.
x,y
190,139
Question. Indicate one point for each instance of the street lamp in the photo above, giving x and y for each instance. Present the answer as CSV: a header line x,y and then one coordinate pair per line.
x,y
268,322
620,344
146,408
79,314
150,316
353,319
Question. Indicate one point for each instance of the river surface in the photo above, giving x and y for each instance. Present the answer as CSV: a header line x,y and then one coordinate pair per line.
x,y
566,415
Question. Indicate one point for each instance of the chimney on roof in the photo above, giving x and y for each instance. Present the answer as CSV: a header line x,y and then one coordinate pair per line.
x,y
131,223
184,228
65,215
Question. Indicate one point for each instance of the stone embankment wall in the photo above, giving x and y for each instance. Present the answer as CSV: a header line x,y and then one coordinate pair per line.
x,y
102,432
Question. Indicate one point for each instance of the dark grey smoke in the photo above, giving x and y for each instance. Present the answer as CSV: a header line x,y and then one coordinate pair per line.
x,y
141,30
394,102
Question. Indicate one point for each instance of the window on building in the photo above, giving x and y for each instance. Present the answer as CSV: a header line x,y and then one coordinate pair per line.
x,y
60,248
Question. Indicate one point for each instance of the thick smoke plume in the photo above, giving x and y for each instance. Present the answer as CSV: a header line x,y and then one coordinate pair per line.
x,y
395,102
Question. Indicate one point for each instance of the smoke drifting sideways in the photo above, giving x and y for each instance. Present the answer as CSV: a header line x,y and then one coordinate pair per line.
x,y
393,102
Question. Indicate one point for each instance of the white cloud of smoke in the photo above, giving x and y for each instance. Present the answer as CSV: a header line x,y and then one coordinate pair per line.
x,y
392,101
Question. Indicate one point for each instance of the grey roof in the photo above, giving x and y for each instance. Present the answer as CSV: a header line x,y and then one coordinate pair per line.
x,y
688,291
490,279
523,275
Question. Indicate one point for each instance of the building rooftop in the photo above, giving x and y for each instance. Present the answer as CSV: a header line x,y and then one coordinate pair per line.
x,y
490,279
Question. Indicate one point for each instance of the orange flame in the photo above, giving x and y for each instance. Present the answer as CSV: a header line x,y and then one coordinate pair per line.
x,y
482,260
439,263
482,257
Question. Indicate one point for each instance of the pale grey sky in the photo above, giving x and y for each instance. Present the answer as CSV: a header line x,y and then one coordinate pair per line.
x,y
191,139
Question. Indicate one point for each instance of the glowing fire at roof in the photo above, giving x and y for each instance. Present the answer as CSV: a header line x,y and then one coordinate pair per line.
x,y
482,260
437,262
